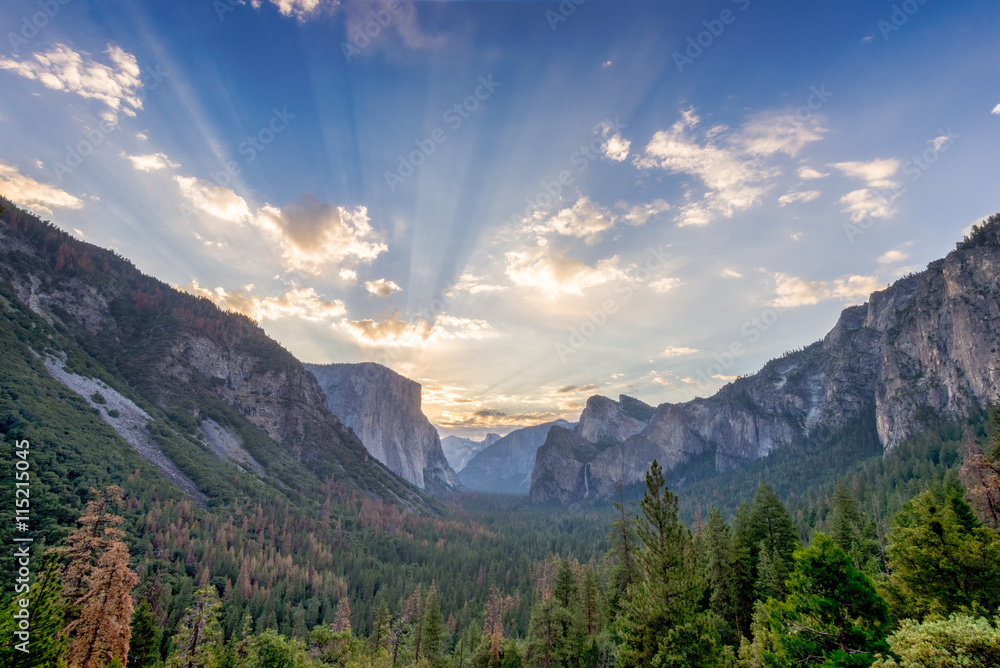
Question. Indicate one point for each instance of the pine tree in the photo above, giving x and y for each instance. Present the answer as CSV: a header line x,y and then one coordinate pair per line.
x,y
380,636
199,632
103,630
832,615
540,633
941,559
771,523
99,528
590,599
662,622
46,611
147,632
342,620
433,634
742,569
718,575
623,542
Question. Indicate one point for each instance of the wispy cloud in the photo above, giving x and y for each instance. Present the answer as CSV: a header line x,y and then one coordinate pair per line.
x,y
804,196
381,287
791,291
875,201
33,194
555,275
116,84
150,162
397,333
678,351
729,164
297,302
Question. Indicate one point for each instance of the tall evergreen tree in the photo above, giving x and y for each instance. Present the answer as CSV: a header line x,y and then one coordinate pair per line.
x,y
662,623
199,633
147,632
941,559
718,575
46,612
433,636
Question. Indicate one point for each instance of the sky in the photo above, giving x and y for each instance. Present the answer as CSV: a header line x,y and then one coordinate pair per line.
x,y
516,204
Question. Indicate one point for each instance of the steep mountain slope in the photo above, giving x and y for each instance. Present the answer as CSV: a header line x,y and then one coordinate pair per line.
x,y
185,364
921,350
459,451
506,466
383,409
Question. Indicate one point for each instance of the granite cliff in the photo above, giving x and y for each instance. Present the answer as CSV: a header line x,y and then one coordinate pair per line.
x,y
383,409
921,350
459,451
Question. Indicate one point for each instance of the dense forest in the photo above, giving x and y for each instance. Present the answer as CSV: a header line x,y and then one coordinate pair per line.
x,y
829,553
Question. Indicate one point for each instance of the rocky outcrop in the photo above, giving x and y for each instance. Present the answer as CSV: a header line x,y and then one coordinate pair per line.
x,y
459,451
183,355
605,420
923,349
506,466
383,409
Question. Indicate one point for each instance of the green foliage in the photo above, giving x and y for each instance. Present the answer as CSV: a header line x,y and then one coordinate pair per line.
x,y
941,559
663,621
960,641
46,613
832,615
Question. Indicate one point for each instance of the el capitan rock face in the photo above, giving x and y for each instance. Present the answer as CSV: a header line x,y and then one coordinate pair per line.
x,y
383,409
922,349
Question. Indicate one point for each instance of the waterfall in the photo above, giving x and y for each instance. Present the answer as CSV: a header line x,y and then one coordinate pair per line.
x,y
586,480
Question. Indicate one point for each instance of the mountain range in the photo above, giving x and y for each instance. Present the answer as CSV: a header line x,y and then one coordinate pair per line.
x,y
922,350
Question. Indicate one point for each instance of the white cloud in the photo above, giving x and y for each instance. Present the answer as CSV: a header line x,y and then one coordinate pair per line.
x,y
142,136
938,142
348,275
805,196
810,173
865,203
607,63
665,285
584,219
587,220
893,256
875,201
678,351
730,273
779,131
996,110
209,198
394,332
26,191
116,85
313,234
474,285
638,214
792,291
616,148
78,232
149,163
382,287
730,165
300,9
877,173
298,302
555,276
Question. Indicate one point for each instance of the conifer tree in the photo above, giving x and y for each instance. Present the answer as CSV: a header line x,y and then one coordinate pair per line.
x,y
381,629
433,629
718,575
941,559
832,615
342,620
199,632
662,622
46,612
147,632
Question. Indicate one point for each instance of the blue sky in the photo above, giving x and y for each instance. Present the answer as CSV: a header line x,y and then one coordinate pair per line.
x,y
518,204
